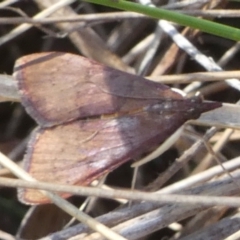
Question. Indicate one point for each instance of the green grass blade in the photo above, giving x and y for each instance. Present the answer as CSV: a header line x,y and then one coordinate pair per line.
x,y
182,19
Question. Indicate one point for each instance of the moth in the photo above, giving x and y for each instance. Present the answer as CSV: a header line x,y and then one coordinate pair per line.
x,y
92,118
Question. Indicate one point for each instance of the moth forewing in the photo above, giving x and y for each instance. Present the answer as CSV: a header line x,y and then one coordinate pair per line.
x,y
83,150
89,88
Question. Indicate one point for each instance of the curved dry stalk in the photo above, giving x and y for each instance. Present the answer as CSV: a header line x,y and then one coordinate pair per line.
x,y
63,204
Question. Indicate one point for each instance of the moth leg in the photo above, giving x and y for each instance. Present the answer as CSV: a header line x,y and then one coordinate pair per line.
x,y
157,152
161,149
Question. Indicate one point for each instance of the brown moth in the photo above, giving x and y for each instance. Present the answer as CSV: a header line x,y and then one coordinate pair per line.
x,y
92,118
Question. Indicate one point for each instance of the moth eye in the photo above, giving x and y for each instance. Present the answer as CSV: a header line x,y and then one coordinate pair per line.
x,y
195,99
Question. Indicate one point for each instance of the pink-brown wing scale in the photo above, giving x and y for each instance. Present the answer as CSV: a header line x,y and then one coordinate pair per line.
x,y
60,87
81,151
